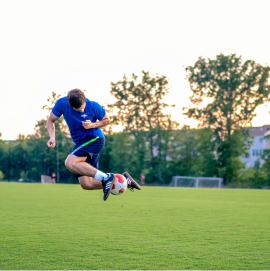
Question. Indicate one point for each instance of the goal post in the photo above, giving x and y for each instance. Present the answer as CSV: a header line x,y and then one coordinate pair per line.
x,y
46,179
185,181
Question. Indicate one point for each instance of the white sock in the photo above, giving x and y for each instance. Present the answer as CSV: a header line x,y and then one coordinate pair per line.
x,y
101,176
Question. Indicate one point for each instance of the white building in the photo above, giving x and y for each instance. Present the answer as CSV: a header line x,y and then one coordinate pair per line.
x,y
258,145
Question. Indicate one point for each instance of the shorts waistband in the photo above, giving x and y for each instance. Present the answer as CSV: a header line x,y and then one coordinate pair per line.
x,y
86,143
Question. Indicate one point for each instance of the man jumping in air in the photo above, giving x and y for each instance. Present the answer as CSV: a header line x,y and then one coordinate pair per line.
x,y
81,116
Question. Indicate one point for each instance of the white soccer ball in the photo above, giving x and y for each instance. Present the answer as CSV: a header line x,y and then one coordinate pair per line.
x,y
120,185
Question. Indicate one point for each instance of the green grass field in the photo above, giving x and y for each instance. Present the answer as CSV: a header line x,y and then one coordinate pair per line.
x,y
65,227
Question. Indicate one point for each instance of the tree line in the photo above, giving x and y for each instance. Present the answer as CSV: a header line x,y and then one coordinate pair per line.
x,y
151,142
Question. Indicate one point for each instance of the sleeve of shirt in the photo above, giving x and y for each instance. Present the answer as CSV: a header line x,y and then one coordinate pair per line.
x,y
99,111
58,109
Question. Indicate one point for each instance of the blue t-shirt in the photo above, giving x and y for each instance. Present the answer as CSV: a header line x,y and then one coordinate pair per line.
x,y
93,112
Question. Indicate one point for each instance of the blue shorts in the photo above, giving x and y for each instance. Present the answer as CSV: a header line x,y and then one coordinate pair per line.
x,y
90,147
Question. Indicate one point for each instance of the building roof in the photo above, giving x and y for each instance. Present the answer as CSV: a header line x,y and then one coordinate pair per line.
x,y
267,133
259,131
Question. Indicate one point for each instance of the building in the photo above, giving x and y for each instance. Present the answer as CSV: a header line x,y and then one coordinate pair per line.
x,y
259,143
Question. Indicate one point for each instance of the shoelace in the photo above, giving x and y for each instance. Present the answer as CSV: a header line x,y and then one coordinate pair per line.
x,y
129,185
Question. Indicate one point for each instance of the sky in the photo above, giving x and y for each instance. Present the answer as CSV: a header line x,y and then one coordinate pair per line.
x,y
60,45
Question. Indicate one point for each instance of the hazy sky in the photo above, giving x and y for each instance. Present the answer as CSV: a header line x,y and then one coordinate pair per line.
x,y
59,45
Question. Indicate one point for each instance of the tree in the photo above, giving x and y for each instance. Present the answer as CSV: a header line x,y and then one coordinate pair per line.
x,y
2,175
140,110
235,90
4,159
122,149
191,153
266,157
42,159
61,128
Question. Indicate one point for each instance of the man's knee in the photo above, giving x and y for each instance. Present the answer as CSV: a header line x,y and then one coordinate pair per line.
x,y
72,160
85,183
86,186
83,186
69,163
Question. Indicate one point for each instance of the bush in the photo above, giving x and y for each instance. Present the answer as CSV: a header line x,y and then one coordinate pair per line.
x,y
24,175
1,175
253,177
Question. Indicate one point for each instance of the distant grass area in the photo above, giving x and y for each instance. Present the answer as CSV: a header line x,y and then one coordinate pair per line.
x,y
64,227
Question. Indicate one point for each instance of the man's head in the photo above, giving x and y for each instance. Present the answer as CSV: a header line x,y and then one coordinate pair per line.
x,y
76,99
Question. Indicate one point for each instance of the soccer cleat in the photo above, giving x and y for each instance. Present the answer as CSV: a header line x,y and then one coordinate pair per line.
x,y
107,185
131,183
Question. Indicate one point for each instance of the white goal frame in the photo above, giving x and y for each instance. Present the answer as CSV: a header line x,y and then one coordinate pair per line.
x,y
197,180
46,179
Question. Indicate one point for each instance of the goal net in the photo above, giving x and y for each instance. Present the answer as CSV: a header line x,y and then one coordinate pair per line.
x,y
184,181
46,179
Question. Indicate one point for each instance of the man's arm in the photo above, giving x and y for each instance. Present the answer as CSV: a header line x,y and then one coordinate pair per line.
x,y
51,129
90,125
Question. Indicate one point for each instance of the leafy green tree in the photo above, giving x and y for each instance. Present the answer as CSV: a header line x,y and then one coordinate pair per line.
x,y
43,160
1,175
122,153
234,89
24,174
253,177
266,157
64,143
140,108
205,164
192,153
4,157
185,152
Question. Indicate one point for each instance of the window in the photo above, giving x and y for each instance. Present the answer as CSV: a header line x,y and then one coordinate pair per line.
x,y
257,152
261,139
260,152
253,152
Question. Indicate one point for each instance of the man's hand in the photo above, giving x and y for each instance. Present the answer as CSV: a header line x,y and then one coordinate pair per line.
x,y
51,143
88,124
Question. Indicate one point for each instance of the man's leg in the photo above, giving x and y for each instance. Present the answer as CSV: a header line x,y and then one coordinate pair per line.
x,y
77,165
89,183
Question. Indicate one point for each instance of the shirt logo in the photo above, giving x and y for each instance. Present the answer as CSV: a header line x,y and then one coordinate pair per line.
x,y
84,115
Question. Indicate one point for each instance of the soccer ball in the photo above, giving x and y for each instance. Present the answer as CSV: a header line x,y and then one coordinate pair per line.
x,y
120,185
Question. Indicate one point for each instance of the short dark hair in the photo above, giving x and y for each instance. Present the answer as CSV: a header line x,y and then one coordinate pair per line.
x,y
76,98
